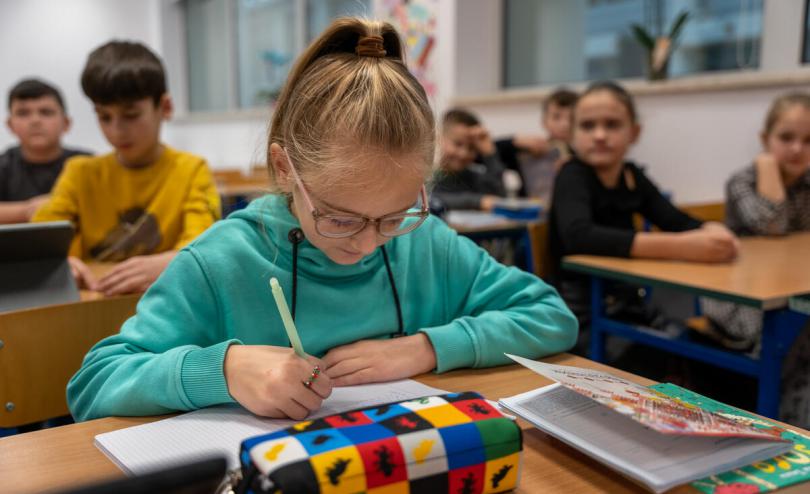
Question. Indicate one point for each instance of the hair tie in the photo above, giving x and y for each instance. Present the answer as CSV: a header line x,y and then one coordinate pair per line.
x,y
370,46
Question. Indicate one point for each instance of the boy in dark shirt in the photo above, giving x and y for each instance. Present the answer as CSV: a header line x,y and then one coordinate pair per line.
x,y
537,158
28,171
461,182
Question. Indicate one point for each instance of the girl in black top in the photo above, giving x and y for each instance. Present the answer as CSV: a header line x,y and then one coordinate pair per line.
x,y
597,192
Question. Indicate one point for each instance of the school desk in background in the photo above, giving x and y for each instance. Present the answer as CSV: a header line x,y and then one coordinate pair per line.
x,y
33,265
513,233
770,273
237,188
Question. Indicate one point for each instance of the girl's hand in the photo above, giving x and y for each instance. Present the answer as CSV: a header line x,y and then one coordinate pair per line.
x,y
369,361
714,243
716,226
769,178
269,381
767,161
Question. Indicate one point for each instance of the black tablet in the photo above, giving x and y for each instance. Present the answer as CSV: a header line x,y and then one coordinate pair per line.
x,y
199,477
33,265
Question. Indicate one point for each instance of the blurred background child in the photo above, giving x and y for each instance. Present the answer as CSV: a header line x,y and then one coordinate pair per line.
x,y
598,191
536,157
461,182
772,197
38,118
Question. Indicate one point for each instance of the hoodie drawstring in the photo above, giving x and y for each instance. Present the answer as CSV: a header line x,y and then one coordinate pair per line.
x,y
296,236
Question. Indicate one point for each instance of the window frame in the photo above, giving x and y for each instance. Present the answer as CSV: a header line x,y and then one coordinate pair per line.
x,y
173,15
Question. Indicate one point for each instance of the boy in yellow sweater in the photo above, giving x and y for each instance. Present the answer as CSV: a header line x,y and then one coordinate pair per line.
x,y
144,201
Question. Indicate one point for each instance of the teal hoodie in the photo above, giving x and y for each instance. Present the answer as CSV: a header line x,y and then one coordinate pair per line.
x,y
215,293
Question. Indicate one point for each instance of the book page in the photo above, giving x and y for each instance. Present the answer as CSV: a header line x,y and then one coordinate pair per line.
x,y
658,460
647,406
218,431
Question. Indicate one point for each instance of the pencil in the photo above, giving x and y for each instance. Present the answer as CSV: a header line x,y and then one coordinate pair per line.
x,y
286,318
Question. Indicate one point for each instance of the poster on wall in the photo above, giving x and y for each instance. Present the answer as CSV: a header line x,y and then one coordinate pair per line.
x,y
416,22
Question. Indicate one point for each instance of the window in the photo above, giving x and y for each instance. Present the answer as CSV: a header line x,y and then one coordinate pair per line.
x,y
806,44
240,51
557,41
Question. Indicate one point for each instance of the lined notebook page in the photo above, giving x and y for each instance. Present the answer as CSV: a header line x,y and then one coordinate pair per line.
x,y
218,431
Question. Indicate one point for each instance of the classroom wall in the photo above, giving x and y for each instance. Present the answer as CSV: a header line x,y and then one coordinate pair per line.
x,y
690,142
52,38
231,143
692,139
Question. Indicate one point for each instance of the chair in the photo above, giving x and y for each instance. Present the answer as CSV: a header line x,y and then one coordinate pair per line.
x,y
710,211
41,348
538,236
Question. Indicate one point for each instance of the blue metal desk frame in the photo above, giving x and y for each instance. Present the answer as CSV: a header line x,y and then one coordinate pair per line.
x,y
516,232
781,326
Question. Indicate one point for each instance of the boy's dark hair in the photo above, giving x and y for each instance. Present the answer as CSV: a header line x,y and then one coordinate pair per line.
x,y
562,97
123,72
33,89
459,116
618,92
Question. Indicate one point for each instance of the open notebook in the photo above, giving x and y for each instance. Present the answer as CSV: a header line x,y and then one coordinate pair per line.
x,y
218,431
652,438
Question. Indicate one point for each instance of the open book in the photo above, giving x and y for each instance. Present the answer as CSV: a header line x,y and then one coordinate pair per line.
x,y
652,438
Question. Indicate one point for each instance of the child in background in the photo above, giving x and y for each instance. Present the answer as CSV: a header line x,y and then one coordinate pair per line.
x,y
460,182
597,192
37,116
379,289
772,197
144,201
537,158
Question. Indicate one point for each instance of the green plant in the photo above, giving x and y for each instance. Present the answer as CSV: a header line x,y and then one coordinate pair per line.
x,y
659,48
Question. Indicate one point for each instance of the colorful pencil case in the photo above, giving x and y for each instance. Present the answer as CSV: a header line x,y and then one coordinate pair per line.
x,y
455,443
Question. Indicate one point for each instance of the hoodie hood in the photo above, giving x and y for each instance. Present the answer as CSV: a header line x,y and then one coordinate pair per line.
x,y
272,220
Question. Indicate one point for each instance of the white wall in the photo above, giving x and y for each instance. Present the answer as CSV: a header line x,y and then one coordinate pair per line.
x,y
690,142
230,143
52,38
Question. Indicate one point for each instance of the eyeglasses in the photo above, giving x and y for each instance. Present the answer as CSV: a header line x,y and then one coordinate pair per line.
x,y
346,225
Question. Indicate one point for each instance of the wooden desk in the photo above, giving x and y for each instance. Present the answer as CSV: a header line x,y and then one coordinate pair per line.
x,y
502,227
243,189
65,456
236,195
99,269
768,272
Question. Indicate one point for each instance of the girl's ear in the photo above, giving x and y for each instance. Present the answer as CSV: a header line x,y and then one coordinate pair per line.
x,y
278,160
635,132
763,138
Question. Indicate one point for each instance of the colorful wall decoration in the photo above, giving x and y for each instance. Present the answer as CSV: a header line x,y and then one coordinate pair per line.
x,y
416,22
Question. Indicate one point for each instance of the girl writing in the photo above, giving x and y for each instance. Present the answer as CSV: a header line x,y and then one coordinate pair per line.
x,y
378,288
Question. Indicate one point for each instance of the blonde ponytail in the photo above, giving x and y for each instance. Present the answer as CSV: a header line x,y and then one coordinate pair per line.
x,y
351,90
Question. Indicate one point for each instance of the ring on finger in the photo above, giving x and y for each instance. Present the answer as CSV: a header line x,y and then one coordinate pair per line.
x,y
316,371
